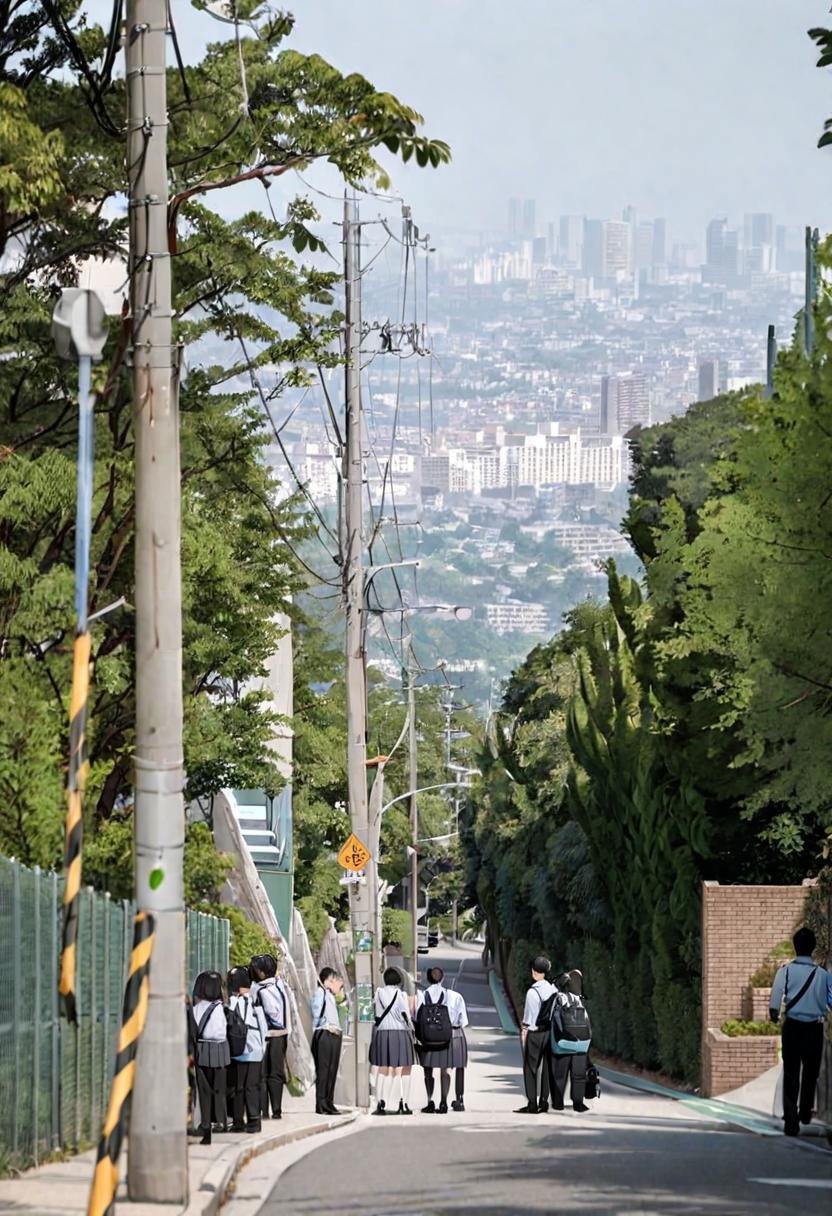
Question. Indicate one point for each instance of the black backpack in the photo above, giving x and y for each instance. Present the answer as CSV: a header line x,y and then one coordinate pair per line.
x,y
544,1017
433,1024
236,1030
570,1021
593,1083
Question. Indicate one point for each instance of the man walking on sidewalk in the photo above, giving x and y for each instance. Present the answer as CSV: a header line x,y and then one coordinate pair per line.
x,y
805,991
534,1037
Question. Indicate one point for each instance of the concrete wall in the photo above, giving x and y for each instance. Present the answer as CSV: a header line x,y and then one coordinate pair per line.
x,y
740,928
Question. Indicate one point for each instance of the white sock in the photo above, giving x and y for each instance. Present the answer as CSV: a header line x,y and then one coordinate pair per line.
x,y
385,1089
407,1078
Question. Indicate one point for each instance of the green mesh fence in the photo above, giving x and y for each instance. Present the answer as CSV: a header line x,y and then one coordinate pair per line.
x,y
54,1077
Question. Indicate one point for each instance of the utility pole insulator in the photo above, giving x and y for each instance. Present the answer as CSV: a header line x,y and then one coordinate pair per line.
x,y
79,325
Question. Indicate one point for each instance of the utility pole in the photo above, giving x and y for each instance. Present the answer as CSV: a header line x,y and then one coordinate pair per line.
x,y
361,894
413,780
810,289
157,1164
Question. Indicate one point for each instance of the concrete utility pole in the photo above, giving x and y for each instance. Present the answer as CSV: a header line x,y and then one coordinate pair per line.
x,y
157,1163
361,894
413,780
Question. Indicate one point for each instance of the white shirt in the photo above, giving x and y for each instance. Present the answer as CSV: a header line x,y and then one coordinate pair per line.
x,y
399,1016
252,1014
536,995
324,1010
273,996
215,1029
454,1001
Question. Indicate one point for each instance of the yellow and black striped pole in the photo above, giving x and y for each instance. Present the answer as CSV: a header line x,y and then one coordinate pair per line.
x,y
74,818
133,1017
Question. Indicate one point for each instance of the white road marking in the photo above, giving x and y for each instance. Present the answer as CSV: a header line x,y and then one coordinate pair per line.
x,y
819,1184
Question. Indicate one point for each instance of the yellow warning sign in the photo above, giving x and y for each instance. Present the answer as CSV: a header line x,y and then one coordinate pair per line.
x,y
354,855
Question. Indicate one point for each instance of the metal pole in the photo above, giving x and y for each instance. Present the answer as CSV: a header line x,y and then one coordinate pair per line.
x,y
771,359
157,1162
413,778
356,675
809,290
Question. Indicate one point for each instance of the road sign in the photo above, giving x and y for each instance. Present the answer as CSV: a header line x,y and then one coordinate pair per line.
x,y
354,855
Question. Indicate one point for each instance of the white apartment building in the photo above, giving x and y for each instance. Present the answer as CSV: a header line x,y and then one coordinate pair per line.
x,y
513,616
539,460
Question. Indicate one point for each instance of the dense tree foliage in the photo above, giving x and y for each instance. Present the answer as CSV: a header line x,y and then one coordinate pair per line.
x,y
680,731
251,110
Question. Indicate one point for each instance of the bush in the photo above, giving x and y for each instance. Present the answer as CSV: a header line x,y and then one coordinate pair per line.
x,y
763,977
396,927
736,1028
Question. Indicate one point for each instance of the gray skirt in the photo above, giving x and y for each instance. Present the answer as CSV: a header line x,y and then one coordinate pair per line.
x,y
459,1049
212,1055
391,1048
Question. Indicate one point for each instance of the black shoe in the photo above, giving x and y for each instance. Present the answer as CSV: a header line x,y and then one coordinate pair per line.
x,y
206,1136
333,1110
542,1108
430,1109
404,1109
252,1128
238,1127
321,1110
220,1127
526,1110
580,1107
806,1119
443,1108
558,1106
379,1110
791,1127
457,1104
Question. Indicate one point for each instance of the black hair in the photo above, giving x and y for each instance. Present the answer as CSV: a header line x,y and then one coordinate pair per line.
x,y
435,975
327,973
541,964
208,986
804,941
393,976
238,977
266,966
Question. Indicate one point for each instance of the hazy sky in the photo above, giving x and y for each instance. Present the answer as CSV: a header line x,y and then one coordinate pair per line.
x,y
685,108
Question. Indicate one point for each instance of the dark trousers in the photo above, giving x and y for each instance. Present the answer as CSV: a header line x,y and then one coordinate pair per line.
x,y
535,1065
244,1091
210,1086
563,1067
802,1052
273,1076
326,1052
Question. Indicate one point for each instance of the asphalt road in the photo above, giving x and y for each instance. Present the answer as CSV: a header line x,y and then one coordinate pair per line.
x,y
634,1153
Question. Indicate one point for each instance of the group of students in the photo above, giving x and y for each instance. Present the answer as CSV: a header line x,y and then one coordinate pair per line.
x,y
237,1047
556,1037
428,1029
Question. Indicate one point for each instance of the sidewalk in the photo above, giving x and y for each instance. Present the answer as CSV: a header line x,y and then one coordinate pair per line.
x,y
63,1186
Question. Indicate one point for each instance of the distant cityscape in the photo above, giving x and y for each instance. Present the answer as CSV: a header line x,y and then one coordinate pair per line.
x,y
549,344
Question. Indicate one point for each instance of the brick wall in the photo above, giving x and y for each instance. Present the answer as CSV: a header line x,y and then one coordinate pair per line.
x,y
729,1063
740,927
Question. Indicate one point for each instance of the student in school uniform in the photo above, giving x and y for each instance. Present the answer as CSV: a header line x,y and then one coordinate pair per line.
x,y
459,1046
272,995
535,1042
391,1047
245,1071
804,989
444,1058
571,1066
210,1051
326,1040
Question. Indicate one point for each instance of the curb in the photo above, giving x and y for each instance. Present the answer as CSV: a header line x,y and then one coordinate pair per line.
x,y
507,1022
221,1174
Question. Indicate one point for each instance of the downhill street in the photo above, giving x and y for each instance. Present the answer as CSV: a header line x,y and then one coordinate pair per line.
x,y
633,1153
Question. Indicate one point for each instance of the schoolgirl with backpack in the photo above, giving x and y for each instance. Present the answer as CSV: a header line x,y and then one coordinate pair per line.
x,y
440,1021
272,996
208,1034
246,1067
570,1036
392,1050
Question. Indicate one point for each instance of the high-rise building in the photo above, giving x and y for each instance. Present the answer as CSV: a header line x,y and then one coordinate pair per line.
x,y
618,251
538,250
715,243
722,251
625,403
593,249
758,229
708,379
514,217
661,243
571,240
644,245
529,222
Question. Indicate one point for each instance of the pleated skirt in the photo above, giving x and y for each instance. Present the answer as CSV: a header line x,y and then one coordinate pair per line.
x,y
455,1055
459,1049
213,1055
391,1048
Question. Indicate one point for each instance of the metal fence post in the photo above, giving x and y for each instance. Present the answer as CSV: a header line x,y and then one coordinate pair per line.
x,y
105,1023
36,1025
55,1119
95,1092
16,947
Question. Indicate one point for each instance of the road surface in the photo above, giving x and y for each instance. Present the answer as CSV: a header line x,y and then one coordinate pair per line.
x,y
634,1153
